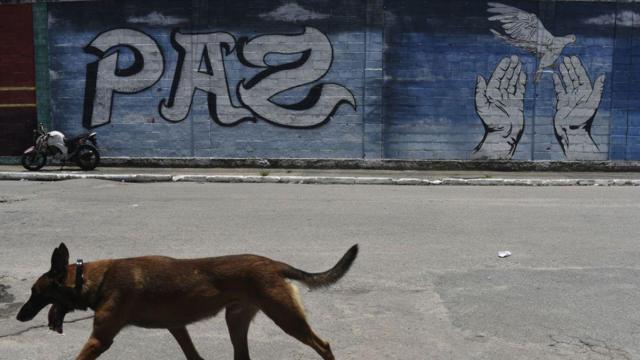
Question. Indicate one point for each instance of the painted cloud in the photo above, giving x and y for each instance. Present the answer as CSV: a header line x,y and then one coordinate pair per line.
x,y
625,19
155,19
292,12
52,20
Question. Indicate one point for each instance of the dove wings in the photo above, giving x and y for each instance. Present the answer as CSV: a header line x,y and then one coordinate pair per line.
x,y
524,29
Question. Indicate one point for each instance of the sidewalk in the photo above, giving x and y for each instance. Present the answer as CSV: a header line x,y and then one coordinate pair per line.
x,y
314,176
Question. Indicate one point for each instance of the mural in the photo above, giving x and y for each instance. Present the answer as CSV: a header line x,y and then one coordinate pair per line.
x,y
443,80
104,78
500,104
576,107
526,31
317,56
201,67
174,78
475,80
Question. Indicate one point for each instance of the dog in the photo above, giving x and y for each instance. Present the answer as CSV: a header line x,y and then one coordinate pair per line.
x,y
167,293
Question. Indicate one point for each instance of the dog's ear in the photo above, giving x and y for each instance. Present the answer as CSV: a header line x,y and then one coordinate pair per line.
x,y
59,260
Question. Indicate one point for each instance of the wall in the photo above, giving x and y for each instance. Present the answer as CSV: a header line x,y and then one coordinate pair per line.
x,y
402,79
289,85
440,102
17,81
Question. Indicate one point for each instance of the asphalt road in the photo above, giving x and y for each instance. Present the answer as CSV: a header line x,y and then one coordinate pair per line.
x,y
427,284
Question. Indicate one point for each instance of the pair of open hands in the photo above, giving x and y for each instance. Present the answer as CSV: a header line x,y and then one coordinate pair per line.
x,y
500,105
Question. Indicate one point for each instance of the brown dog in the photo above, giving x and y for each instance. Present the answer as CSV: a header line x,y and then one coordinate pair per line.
x,y
161,292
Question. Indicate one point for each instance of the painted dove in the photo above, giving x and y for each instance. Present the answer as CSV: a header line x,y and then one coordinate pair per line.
x,y
526,31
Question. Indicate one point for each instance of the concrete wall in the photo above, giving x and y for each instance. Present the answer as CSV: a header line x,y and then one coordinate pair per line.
x,y
17,80
302,102
439,101
401,79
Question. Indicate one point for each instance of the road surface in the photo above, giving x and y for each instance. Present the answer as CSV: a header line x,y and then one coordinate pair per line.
x,y
427,285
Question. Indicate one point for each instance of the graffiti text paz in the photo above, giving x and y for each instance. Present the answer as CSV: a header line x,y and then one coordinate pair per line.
x,y
201,66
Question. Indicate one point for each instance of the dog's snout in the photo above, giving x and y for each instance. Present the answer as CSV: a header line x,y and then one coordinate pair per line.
x,y
29,310
23,315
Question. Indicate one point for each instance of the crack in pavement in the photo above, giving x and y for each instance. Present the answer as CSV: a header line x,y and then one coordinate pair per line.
x,y
598,347
18,333
9,200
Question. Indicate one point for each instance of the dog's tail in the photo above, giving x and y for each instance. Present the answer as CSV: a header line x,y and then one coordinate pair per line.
x,y
323,279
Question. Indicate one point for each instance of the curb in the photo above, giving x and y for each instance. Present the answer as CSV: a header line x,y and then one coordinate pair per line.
x,y
365,164
373,164
313,180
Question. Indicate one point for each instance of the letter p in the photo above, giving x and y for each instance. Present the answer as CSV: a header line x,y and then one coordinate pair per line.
x,y
104,78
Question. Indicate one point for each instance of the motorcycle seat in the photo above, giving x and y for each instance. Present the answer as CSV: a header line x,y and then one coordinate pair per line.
x,y
76,138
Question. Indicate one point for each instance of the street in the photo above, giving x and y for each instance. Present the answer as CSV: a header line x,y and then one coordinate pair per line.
x,y
427,284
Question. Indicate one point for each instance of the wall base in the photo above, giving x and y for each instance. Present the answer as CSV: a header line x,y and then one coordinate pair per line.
x,y
482,165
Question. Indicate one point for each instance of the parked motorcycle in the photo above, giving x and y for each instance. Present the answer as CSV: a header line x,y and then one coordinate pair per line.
x,y
83,150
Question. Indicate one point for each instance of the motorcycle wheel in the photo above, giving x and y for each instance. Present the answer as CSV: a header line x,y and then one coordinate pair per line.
x,y
88,157
34,160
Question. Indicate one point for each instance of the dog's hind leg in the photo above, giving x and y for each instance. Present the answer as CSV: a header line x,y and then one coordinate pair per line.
x,y
184,340
239,318
283,306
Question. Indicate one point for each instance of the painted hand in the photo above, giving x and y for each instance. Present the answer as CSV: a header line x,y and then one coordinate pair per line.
x,y
577,103
500,105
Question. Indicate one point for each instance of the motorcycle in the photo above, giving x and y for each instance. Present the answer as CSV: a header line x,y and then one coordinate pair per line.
x,y
83,150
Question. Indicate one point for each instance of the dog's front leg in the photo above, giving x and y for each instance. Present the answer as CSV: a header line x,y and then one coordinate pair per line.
x,y
184,340
106,325
94,347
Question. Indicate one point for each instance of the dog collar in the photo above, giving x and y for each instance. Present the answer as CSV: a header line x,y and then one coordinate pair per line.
x,y
79,275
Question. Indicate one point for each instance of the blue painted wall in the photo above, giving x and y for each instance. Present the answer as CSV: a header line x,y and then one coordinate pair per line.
x,y
411,66
435,51
137,129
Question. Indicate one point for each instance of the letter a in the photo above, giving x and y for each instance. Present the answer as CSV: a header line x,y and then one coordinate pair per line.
x,y
206,73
